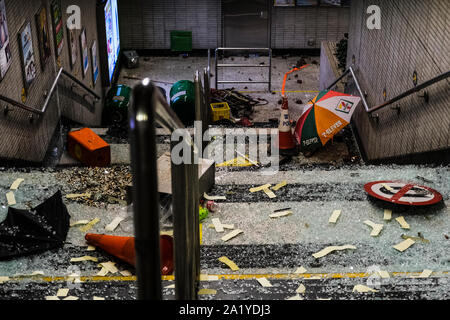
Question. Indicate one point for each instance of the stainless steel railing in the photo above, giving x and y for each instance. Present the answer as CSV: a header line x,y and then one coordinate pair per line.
x,y
217,66
401,96
148,108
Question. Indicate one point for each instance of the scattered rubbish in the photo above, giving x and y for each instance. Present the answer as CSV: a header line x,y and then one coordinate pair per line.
x,y
335,216
425,273
297,297
279,210
260,188
248,159
402,246
225,226
113,225
44,227
298,101
363,289
103,272
446,236
419,238
207,277
387,214
207,291
424,179
89,226
300,270
229,263
90,248
109,266
328,250
98,298
11,198
301,289
33,274
240,105
281,214
15,185
213,198
376,228
220,111
383,274
244,122
211,206
402,222
71,298
80,222
236,162
78,195
269,193
217,225
202,213
4,279
85,258
125,273
52,298
62,292
170,286
231,235
264,282
299,81
280,185
387,187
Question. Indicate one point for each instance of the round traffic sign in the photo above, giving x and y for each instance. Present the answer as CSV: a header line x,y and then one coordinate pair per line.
x,y
403,193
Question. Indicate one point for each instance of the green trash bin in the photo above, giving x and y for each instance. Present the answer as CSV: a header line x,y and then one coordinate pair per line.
x,y
182,101
117,102
181,41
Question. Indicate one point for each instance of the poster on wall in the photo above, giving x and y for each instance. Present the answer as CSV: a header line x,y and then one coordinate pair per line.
x,y
27,55
84,52
95,68
307,3
112,35
58,30
45,50
73,50
284,3
5,49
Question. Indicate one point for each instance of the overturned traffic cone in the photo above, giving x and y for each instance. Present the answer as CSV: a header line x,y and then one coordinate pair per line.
x,y
287,145
123,248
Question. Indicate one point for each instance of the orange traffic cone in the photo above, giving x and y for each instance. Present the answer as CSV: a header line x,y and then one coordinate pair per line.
x,y
123,248
287,145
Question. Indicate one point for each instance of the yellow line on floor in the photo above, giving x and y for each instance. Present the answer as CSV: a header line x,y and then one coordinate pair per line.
x,y
226,276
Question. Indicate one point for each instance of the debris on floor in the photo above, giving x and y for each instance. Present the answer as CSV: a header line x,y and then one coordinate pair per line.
x,y
15,185
264,282
402,222
335,216
231,235
376,228
363,289
328,250
229,263
31,231
281,214
402,246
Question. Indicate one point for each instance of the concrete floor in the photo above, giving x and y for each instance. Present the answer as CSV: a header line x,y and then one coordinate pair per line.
x,y
271,248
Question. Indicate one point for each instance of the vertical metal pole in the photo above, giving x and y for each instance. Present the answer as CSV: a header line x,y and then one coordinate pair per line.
x,y
145,192
207,85
270,69
185,287
216,76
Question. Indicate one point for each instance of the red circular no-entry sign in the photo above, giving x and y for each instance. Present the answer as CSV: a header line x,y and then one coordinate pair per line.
x,y
403,193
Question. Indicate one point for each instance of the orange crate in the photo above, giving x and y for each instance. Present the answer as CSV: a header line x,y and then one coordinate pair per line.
x,y
88,148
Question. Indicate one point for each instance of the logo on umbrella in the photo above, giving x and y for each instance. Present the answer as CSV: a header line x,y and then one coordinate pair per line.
x,y
344,106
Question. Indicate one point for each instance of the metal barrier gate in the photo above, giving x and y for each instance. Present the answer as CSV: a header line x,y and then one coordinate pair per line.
x,y
217,66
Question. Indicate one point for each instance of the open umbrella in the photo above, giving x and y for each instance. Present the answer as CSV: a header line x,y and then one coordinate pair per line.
x,y
25,232
327,114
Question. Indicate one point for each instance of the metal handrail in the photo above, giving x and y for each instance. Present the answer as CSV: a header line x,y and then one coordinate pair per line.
x,y
49,94
403,95
147,109
217,66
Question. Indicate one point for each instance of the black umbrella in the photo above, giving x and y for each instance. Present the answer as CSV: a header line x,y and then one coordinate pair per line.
x,y
25,232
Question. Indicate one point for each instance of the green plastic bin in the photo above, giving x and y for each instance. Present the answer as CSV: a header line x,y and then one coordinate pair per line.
x,y
116,105
182,101
181,40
